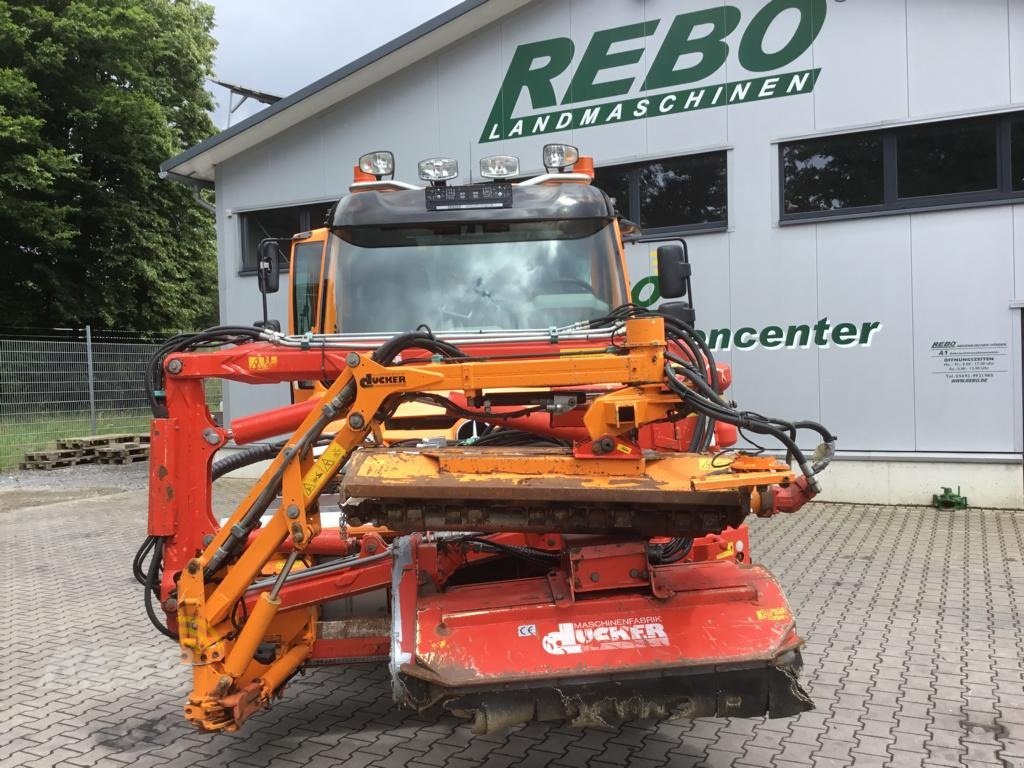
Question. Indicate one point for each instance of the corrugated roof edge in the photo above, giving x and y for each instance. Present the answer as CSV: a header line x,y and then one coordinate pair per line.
x,y
324,82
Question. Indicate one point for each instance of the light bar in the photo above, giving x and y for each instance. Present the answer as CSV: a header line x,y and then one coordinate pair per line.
x,y
558,157
380,163
438,169
499,166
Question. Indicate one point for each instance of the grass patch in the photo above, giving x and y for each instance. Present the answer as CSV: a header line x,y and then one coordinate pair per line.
x,y
21,435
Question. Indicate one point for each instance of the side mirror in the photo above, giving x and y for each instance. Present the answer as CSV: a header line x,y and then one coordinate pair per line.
x,y
673,270
268,266
680,310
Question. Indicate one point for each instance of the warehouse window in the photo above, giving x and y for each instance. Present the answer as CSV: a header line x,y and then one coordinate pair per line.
x,y
833,174
687,193
277,222
945,164
1017,147
947,158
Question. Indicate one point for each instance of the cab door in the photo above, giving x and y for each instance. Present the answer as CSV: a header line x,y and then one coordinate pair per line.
x,y
307,297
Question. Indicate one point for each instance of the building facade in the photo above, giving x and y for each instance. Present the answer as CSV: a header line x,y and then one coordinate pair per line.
x,y
848,175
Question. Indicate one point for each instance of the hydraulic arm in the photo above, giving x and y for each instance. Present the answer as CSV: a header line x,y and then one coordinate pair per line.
x,y
605,544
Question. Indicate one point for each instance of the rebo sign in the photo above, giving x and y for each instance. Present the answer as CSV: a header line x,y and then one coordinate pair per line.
x,y
695,47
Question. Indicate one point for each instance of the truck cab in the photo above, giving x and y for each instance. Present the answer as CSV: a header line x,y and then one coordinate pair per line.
x,y
498,255
539,253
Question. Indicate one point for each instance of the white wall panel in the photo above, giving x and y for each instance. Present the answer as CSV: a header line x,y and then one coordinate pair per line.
x,y
959,56
296,165
691,131
753,126
586,17
864,276
773,282
472,66
711,258
245,181
1016,51
862,53
348,131
1018,251
406,107
538,21
963,273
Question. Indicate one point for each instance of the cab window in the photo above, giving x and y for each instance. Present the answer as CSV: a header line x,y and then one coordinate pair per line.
x,y
306,286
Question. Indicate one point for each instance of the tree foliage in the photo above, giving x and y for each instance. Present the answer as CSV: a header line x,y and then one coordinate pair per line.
x,y
94,94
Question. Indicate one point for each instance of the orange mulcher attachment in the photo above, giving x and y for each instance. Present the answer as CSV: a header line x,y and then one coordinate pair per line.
x,y
589,580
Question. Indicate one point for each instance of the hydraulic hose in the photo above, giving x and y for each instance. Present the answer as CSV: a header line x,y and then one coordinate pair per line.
x,y
244,458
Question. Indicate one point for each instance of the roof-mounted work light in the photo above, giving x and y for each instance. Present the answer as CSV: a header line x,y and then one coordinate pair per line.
x,y
379,164
499,166
558,157
437,170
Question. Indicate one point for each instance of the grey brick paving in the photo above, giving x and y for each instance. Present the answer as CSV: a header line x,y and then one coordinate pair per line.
x,y
915,657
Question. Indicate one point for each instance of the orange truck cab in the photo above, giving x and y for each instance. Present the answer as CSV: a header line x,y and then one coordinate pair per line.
x,y
542,253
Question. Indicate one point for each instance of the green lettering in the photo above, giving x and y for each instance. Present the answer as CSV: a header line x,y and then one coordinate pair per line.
x,y
866,331
771,337
844,334
641,285
537,81
821,332
597,58
748,333
805,336
752,55
712,47
720,338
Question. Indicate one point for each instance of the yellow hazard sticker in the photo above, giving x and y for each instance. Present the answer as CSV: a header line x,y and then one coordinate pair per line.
x,y
704,464
262,362
623,448
324,464
730,550
773,614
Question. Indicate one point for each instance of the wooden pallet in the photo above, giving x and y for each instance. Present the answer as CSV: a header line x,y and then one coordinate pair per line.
x,y
103,449
122,453
56,463
60,454
97,440
135,459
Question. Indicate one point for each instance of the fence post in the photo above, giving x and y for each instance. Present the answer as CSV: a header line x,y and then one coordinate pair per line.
x,y
92,379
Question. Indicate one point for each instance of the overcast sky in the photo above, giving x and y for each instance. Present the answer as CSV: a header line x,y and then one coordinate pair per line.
x,y
278,47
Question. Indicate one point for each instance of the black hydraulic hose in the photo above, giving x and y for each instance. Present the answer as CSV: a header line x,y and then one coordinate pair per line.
x,y
140,558
730,416
153,588
154,374
244,458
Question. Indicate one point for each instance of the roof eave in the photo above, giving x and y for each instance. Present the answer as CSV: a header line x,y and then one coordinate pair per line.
x,y
197,163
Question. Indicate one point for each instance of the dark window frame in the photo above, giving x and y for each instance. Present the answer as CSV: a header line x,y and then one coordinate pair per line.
x,y
306,224
892,203
632,170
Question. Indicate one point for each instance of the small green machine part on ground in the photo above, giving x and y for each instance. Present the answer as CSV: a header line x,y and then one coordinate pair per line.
x,y
949,500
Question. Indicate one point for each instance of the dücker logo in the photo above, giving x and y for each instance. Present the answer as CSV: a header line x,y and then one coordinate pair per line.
x,y
370,381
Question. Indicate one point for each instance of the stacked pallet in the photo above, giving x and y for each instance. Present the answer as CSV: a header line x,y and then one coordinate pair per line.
x,y
95,449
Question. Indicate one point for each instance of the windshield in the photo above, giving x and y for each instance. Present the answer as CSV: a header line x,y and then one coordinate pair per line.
x,y
475,276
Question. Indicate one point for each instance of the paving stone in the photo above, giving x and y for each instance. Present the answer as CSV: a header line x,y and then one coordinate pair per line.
x,y
914,657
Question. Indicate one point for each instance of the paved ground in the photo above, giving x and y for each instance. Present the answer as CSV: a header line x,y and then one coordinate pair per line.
x,y
915,656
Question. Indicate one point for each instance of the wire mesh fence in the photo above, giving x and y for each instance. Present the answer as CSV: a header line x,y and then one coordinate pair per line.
x,y
61,384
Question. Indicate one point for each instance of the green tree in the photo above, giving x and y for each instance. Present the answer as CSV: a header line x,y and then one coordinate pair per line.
x,y
94,94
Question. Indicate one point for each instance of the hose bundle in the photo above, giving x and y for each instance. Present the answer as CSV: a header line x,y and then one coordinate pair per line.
x,y
697,365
